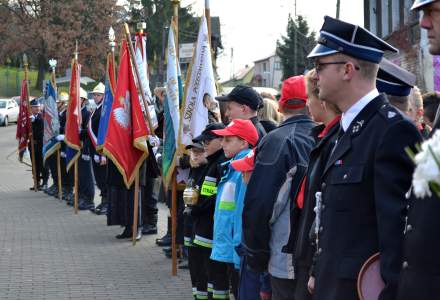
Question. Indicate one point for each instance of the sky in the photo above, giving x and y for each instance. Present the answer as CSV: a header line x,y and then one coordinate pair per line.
x,y
252,27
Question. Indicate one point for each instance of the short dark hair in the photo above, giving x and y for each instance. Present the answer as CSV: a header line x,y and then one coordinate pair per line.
x,y
400,102
430,105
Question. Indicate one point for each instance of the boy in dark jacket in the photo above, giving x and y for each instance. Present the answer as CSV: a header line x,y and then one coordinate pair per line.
x,y
202,211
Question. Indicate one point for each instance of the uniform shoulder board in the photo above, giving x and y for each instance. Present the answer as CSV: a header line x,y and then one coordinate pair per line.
x,y
390,113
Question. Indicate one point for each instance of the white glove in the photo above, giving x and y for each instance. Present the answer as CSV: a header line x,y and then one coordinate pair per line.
x,y
103,160
63,154
96,158
154,141
158,156
155,150
85,157
60,137
32,118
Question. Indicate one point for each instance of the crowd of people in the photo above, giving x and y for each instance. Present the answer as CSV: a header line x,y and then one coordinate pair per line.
x,y
288,198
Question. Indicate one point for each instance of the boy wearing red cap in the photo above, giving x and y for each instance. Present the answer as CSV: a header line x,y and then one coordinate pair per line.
x,y
280,165
253,285
238,137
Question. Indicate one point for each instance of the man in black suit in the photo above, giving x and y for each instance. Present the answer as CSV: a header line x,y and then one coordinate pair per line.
x,y
420,273
37,136
367,174
99,161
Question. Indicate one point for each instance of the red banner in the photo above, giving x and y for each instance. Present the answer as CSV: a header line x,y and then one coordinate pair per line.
x,y
73,121
125,143
23,123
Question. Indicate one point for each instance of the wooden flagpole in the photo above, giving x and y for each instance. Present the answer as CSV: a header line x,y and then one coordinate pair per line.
x,y
136,208
75,199
176,4
31,134
208,19
53,64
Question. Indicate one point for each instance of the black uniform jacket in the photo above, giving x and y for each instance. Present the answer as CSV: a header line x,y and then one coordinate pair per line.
x,y
363,196
203,211
38,129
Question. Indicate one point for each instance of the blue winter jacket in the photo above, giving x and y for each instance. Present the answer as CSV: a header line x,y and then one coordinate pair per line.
x,y
228,213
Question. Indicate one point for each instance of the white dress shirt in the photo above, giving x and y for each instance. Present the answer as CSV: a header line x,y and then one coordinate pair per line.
x,y
355,109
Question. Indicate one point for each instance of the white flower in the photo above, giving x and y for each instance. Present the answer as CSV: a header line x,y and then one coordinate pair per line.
x,y
427,169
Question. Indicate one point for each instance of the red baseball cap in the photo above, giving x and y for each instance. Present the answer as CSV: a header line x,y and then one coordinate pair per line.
x,y
246,164
241,128
294,88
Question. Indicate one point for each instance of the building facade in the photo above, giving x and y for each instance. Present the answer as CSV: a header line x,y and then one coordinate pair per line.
x,y
393,21
268,72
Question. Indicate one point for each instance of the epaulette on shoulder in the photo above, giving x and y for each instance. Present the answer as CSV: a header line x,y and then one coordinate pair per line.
x,y
390,113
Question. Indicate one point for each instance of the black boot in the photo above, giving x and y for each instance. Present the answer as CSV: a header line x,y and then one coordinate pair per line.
x,y
149,229
126,234
166,239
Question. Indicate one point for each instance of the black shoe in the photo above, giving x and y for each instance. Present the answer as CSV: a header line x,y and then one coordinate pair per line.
x,y
149,229
170,254
166,250
85,205
165,241
183,265
98,209
126,234
103,210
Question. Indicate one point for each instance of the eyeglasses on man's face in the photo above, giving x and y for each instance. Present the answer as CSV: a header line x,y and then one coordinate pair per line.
x,y
321,65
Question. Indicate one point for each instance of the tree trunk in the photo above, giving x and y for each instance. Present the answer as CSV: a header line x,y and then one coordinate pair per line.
x,y
41,72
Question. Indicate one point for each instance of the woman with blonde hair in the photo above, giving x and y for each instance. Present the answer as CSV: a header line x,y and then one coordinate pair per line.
x,y
268,115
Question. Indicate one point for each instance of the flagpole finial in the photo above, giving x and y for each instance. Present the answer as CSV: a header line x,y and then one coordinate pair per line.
x,y
25,60
141,26
76,49
111,38
53,64
207,4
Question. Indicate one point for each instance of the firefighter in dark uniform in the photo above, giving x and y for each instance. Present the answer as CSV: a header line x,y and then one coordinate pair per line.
x,y
419,278
66,177
86,186
99,161
37,136
363,185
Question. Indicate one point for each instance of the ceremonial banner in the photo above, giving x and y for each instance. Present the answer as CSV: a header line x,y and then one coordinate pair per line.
x,y
73,121
126,141
110,85
51,121
142,63
23,123
171,110
200,89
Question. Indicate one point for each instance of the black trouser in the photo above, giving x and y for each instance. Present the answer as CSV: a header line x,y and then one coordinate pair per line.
x,y
302,279
180,217
38,163
100,173
283,289
219,279
86,185
51,164
199,262
234,279
149,202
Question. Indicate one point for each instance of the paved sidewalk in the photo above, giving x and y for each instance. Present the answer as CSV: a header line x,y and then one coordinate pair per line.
x,y
47,252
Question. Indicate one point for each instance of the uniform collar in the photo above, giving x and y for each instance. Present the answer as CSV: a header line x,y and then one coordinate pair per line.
x,y
355,109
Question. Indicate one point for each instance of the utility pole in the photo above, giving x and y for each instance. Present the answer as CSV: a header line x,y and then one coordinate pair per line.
x,y
338,8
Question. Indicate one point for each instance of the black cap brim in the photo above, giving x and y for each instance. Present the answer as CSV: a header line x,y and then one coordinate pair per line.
x,y
223,98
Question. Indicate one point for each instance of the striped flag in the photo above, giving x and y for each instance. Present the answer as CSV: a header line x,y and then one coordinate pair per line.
x,y
110,85
51,122
171,109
